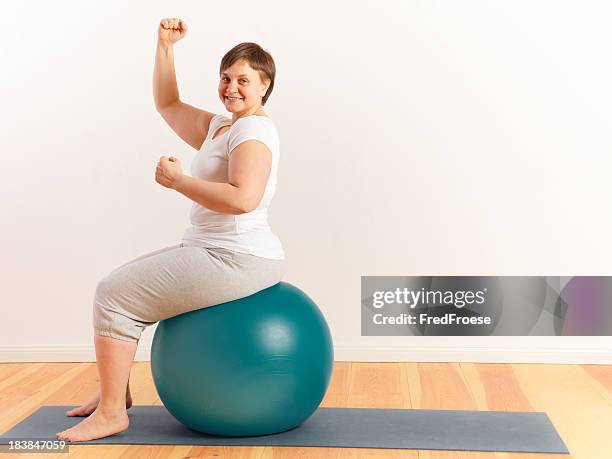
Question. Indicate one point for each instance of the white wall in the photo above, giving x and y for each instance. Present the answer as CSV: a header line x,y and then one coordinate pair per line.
x,y
417,138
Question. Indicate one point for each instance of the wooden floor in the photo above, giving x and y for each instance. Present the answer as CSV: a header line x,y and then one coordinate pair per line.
x,y
577,399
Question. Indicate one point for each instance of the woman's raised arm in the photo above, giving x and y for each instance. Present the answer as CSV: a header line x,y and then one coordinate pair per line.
x,y
190,123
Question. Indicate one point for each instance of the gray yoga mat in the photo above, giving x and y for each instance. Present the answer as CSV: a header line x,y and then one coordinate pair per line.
x,y
331,427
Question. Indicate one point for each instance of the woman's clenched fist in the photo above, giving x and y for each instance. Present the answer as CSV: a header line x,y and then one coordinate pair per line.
x,y
171,30
168,171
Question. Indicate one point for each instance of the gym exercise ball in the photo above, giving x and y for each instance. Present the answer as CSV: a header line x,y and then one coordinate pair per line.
x,y
253,366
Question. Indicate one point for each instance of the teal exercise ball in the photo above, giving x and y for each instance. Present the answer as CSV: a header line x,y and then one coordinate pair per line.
x,y
253,366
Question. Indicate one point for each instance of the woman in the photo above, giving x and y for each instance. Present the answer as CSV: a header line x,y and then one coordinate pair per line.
x,y
229,251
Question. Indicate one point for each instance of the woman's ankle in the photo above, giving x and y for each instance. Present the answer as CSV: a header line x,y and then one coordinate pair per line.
x,y
112,410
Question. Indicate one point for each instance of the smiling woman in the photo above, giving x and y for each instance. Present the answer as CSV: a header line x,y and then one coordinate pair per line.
x,y
254,71
234,176
229,251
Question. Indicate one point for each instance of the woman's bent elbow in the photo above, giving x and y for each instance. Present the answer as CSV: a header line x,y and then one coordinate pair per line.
x,y
250,205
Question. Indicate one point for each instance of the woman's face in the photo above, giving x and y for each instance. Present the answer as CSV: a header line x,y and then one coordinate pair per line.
x,y
241,89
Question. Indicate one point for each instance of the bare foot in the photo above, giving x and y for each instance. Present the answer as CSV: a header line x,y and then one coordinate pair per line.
x,y
90,407
100,424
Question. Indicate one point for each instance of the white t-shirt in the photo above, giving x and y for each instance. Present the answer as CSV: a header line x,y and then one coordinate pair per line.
x,y
249,232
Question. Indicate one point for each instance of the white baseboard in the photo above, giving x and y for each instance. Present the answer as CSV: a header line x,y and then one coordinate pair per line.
x,y
353,353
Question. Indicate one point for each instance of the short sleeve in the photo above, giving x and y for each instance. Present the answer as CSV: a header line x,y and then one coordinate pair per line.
x,y
253,128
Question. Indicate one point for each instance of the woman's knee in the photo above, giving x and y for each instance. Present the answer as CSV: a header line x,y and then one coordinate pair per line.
x,y
103,288
103,313
110,318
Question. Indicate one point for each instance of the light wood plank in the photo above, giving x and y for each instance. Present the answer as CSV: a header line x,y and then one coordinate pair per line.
x,y
496,388
441,386
579,413
600,377
377,385
27,396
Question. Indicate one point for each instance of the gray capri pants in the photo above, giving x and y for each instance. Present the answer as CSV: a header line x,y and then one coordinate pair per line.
x,y
175,280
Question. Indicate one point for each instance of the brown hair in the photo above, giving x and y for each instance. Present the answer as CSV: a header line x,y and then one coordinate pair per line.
x,y
258,59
